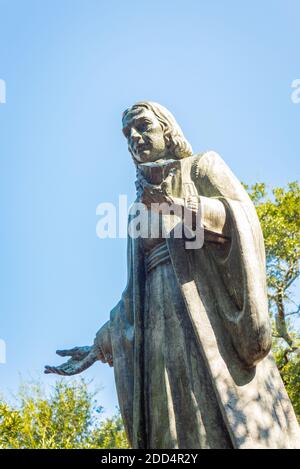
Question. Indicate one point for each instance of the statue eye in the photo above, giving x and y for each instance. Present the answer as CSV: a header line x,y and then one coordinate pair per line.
x,y
144,126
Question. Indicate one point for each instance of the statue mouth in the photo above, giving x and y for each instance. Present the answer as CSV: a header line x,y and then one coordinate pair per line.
x,y
140,149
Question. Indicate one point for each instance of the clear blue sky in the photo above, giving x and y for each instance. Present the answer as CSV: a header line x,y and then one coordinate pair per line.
x,y
71,67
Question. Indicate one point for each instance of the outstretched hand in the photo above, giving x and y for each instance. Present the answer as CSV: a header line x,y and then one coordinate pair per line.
x,y
81,359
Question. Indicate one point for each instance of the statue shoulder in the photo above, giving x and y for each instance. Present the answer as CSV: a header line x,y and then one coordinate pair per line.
x,y
203,163
214,178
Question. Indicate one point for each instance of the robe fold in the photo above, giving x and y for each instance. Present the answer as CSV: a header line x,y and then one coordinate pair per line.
x,y
223,287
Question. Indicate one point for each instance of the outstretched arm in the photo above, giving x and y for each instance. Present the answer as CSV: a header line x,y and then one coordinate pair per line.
x,y
84,357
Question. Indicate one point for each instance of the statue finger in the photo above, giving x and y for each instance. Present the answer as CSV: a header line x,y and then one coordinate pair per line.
x,y
77,353
166,185
65,353
48,370
53,369
69,352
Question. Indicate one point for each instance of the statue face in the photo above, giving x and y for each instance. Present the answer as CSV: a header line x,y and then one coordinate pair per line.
x,y
144,135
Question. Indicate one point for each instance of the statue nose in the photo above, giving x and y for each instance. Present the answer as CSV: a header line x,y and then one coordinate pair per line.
x,y
135,135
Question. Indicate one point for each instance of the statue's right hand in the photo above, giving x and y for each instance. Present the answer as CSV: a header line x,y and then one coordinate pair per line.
x,y
81,359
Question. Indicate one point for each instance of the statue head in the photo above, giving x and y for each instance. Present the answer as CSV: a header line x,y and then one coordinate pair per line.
x,y
153,133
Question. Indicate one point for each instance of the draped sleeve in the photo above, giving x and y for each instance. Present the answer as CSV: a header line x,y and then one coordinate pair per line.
x,y
242,295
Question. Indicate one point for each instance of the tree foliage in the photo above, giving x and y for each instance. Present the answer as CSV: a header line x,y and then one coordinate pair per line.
x,y
67,418
279,214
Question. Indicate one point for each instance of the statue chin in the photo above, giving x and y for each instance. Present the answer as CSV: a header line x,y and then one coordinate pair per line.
x,y
144,157
147,156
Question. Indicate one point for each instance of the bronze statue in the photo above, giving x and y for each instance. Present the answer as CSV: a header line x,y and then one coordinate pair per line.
x,y
190,338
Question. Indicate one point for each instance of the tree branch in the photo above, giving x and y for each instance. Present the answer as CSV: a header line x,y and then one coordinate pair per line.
x,y
280,320
294,312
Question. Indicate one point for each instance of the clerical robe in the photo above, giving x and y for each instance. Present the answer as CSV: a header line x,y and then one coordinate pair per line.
x,y
223,292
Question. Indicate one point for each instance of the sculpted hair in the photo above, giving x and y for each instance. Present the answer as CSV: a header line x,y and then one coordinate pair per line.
x,y
176,143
